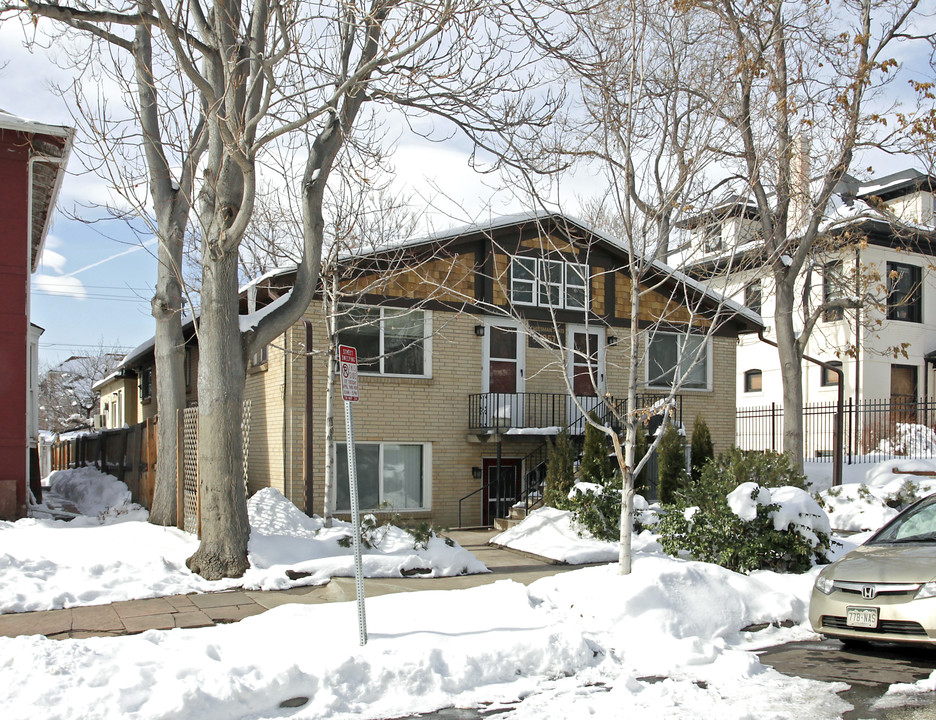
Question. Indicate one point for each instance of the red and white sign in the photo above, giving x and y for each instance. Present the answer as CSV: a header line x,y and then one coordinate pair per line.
x,y
347,367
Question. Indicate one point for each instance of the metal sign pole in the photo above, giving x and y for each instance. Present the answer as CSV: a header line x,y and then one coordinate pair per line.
x,y
355,523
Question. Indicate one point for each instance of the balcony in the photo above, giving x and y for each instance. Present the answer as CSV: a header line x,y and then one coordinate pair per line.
x,y
533,413
545,413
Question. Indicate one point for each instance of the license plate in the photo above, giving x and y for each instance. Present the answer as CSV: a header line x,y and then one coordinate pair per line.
x,y
862,617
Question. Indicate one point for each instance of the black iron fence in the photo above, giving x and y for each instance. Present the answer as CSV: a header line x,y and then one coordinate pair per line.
x,y
873,430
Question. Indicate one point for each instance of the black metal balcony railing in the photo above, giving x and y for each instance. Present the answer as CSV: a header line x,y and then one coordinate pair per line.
x,y
503,412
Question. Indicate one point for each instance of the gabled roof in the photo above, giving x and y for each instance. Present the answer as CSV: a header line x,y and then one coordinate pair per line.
x,y
751,321
896,184
50,146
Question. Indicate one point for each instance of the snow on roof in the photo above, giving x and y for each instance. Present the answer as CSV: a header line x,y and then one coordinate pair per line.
x,y
10,121
894,181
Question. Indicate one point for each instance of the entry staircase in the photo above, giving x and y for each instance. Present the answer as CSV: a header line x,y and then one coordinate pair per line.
x,y
533,478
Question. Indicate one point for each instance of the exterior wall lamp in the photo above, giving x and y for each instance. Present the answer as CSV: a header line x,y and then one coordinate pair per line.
x,y
476,473
479,330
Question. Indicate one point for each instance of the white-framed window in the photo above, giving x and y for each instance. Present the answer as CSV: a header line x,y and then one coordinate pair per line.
x,y
548,283
389,474
523,280
389,341
671,356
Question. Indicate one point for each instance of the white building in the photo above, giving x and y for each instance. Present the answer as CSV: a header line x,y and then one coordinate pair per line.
x,y
879,244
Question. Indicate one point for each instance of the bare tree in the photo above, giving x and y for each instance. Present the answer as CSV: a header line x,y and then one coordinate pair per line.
x,y
650,81
298,75
806,98
67,399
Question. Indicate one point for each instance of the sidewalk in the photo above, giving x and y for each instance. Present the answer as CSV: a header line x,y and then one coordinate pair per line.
x,y
204,610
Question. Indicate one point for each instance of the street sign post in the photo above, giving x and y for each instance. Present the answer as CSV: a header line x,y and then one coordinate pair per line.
x,y
347,369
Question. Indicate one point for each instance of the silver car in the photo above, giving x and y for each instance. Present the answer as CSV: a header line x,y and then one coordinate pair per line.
x,y
884,590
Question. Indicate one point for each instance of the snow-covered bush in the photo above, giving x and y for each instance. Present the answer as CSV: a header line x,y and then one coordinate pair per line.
x,y
596,509
731,517
751,528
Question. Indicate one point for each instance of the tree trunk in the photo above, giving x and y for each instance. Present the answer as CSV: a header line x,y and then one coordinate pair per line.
x,y
626,464
170,378
791,370
221,374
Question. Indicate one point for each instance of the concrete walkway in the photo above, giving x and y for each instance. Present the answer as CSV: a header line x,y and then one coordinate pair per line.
x,y
207,609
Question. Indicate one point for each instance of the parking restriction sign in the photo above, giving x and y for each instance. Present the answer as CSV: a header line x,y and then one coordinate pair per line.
x,y
347,366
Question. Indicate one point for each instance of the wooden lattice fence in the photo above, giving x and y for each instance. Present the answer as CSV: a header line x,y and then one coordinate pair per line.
x,y
189,505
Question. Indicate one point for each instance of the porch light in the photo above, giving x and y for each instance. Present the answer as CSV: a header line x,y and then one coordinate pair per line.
x,y
479,331
612,340
476,473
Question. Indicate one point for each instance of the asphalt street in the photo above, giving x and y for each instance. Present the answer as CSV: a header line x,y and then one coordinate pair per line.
x,y
870,671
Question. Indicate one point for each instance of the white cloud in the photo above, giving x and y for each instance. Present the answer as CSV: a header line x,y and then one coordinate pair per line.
x,y
52,260
60,285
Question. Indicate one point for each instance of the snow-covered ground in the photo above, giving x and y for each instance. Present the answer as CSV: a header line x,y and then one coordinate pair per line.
x,y
111,553
668,640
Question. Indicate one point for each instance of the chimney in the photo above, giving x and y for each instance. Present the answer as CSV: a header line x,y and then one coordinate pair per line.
x,y
800,190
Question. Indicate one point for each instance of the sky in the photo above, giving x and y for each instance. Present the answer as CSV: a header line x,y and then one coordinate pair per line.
x,y
95,280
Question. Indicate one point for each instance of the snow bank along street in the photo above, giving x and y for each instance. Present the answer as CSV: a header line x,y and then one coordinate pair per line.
x,y
669,640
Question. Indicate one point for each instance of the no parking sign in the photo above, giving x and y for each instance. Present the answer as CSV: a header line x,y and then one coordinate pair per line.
x,y
347,365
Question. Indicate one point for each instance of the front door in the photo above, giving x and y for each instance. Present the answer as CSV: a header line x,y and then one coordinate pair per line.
x,y
586,368
504,357
502,491
903,393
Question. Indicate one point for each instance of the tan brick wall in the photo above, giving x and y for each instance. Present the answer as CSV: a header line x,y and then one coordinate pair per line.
x,y
427,410
717,406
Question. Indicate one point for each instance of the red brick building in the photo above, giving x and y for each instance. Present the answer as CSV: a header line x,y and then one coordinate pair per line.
x,y
32,165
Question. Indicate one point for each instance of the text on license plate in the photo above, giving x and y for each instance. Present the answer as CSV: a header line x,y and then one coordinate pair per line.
x,y
862,617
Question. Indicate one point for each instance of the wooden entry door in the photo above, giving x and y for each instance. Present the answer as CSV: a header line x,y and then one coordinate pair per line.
x,y
586,368
507,491
903,393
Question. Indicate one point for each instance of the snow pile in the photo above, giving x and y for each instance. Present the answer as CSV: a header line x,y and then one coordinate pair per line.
x,y
853,508
910,439
284,538
895,477
95,495
665,641
552,534
49,564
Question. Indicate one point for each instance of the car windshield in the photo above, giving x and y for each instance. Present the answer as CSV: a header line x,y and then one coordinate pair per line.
x,y
916,525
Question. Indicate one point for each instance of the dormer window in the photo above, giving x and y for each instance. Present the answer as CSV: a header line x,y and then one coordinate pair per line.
x,y
554,284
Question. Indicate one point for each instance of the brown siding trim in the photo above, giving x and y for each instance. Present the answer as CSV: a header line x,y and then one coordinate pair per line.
x,y
308,419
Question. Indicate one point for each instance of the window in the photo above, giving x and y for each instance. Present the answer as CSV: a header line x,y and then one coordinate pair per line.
x,y
387,473
673,357
753,381
259,358
828,378
388,341
904,294
187,367
548,283
831,290
753,296
146,383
